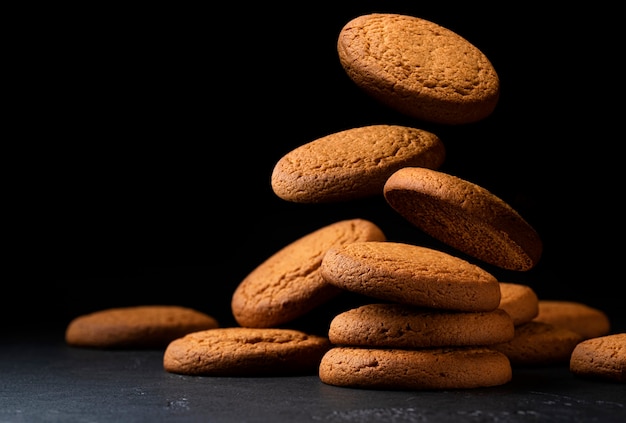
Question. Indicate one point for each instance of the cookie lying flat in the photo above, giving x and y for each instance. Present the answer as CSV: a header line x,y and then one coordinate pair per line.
x,y
418,68
288,284
354,163
236,351
401,326
588,321
537,344
519,301
427,369
146,326
603,358
410,274
465,216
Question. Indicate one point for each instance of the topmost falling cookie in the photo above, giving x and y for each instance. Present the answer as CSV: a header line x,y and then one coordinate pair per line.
x,y
419,68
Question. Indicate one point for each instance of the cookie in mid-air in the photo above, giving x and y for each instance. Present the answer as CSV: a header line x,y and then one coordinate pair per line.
x,y
464,216
421,369
144,326
588,321
519,301
354,163
391,325
237,351
411,274
602,358
288,284
418,68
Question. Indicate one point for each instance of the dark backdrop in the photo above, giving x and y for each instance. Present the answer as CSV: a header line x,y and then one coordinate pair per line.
x,y
148,137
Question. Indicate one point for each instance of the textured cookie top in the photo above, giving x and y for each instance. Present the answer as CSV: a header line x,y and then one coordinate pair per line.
x,y
236,351
411,274
401,326
519,301
603,357
354,163
289,284
465,216
419,68
146,326
588,321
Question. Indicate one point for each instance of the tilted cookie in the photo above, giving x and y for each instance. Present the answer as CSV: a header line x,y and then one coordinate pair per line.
x,y
354,163
288,284
236,351
411,274
519,301
601,358
390,325
145,326
418,68
538,344
464,216
401,369
588,321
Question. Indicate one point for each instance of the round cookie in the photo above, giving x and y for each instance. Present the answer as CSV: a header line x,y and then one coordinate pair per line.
x,y
519,301
427,369
145,326
537,343
588,321
464,216
602,358
354,163
401,326
418,68
288,284
411,274
236,351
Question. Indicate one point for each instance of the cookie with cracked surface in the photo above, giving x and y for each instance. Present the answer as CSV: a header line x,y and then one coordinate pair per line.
x,y
519,301
236,351
422,369
602,358
354,163
418,68
464,216
144,326
389,325
288,284
410,274
588,321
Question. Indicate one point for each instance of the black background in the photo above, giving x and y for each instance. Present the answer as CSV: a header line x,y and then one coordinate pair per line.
x,y
146,139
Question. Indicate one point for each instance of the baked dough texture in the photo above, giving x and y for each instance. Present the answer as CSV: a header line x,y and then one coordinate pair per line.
x,y
354,163
519,301
401,326
410,274
418,68
588,321
464,216
236,351
427,369
602,358
144,326
289,284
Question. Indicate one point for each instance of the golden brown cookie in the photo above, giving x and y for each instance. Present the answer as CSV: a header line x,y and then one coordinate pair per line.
x,y
288,284
354,163
603,358
145,326
411,274
401,326
426,369
588,321
465,216
537,344
418,68
236,351
520,301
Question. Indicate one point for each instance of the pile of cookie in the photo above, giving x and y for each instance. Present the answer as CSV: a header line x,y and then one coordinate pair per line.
x,y
428,319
